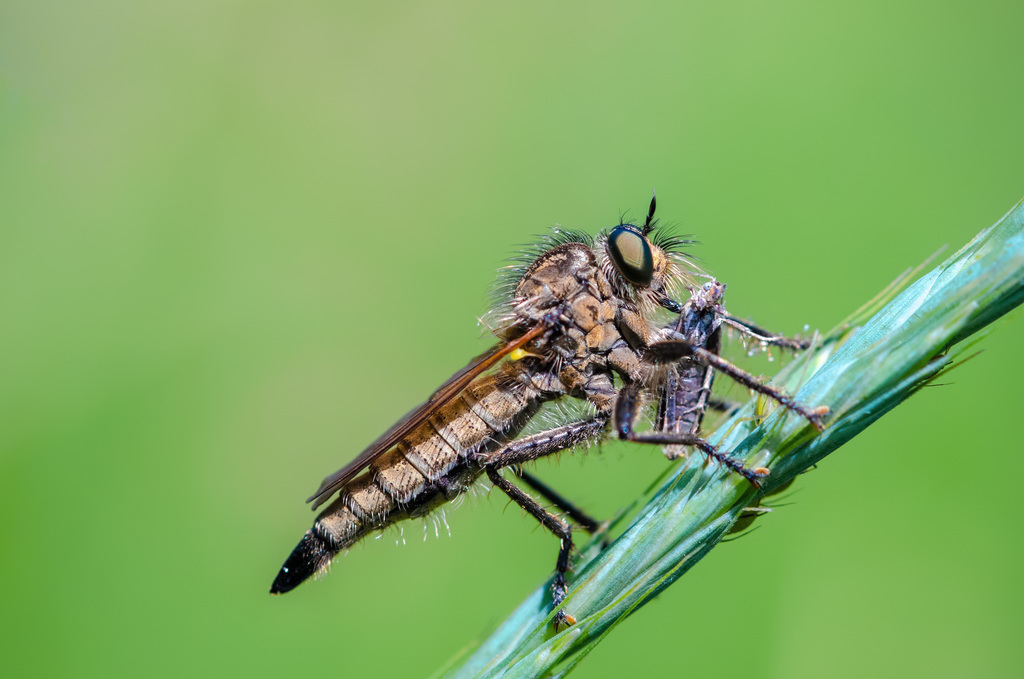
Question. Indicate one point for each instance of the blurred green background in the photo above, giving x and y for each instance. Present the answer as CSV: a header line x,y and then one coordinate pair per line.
x,y
239,239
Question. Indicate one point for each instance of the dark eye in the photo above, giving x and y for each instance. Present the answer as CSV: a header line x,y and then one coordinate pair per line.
x,y
631,255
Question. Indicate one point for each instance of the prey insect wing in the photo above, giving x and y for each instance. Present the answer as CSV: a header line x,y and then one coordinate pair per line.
x,y
444,394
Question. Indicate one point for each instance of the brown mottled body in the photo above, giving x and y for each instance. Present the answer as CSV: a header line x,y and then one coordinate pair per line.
x,y
593,329
426,469
578,316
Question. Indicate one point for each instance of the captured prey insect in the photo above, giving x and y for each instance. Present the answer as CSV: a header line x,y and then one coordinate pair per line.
x,y
691,347
577,319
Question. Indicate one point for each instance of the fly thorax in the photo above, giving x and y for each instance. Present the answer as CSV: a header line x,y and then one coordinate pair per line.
x,y
566,286
554,280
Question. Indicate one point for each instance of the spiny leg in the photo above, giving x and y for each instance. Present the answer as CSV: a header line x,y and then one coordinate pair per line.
x,y
669,351
545,443
582,519
748,329
628,404
531,448
557,526
812,415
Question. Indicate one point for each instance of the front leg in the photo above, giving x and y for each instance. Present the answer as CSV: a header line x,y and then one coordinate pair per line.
x,y
748,329
626,408
670,351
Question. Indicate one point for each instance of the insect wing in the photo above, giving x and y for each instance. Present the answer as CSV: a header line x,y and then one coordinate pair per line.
x,y
415,417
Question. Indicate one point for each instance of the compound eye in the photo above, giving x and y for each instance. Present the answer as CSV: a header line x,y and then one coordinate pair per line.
x,y
631,254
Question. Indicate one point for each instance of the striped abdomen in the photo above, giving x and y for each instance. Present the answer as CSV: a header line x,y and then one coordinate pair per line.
x,y
427,468
684,399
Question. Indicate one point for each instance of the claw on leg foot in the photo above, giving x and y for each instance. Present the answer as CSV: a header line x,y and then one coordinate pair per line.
x,y
564,618
558,591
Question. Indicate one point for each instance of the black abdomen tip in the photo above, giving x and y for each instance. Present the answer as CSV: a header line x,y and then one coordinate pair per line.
x,y
308,557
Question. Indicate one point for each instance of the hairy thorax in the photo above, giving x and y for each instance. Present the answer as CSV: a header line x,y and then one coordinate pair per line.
x,y
595,328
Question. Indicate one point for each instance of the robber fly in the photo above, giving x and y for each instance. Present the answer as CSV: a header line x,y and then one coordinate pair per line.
x,y
578,319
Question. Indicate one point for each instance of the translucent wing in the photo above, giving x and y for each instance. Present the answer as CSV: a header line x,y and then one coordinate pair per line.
x,y
415,417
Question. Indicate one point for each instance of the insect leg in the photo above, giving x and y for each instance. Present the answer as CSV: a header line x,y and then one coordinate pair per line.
x,y
557,526
545,443
626,407
748,329
672,350
723,406
531,448
585,521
